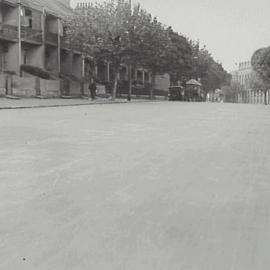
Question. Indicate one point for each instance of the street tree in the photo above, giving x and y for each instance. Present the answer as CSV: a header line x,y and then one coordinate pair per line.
x,y
110,31
115,32
260,62
178,57
215,77
98,30
206,69
255,83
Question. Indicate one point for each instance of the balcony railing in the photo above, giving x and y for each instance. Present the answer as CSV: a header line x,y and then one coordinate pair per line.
x,y
67,44
51,38
8,32
31,35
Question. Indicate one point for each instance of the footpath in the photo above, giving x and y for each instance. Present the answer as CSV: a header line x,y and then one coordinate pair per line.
x,y
28,103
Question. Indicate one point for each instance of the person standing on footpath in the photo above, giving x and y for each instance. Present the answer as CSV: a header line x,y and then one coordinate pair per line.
x,y
92,88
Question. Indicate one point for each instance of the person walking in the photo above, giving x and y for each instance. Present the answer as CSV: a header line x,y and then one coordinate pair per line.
x,y
92,89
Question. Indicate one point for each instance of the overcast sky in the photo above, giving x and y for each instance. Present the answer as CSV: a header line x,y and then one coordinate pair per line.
x,y
231,29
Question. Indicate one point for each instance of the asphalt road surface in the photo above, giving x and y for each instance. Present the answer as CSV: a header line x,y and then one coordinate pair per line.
x,y
156,186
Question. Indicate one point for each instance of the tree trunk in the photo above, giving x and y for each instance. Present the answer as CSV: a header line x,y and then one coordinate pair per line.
x,y
6,85
11,84
265,97
82,88
129,83
152,87
115,83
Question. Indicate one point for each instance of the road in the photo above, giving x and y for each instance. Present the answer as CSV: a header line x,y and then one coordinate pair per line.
x,y
177,186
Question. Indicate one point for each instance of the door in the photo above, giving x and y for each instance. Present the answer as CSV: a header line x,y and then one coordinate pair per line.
x,y
38,90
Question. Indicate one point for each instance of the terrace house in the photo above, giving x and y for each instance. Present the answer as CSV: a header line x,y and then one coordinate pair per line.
x,y
32,33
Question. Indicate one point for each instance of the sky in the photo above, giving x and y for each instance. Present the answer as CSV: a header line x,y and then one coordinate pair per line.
x,y
231,29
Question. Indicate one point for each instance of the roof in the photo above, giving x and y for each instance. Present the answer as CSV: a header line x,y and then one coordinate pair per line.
x,y
193,82
57,8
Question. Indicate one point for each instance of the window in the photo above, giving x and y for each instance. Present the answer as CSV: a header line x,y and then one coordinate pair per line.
x,y
28,18
65,31
25,58
5,48
48,54
28,13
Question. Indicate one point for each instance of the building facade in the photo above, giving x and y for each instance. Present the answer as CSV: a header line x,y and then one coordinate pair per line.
x,y
243,75
32,33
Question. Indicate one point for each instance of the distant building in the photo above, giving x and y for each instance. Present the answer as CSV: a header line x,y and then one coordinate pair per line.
x,y
243,75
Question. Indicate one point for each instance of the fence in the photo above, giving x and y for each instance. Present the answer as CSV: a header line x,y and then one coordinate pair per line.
x,y
250,97
28,86
137,90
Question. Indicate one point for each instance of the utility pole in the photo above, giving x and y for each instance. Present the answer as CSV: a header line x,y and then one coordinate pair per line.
x,y
129,62
43,28
59,45
19,37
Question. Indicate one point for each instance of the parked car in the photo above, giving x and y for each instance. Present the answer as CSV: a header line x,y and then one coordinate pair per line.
x,y
175,93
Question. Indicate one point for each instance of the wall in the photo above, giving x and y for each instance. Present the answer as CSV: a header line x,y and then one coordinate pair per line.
x,y
27,87
50,88
51,59
10,15
37,20
86,91
162,82
124,73
36,55
102,72
1,14
12,57
24,87
77,65
66,62
52,25
75,89
2,84
101,90
1,58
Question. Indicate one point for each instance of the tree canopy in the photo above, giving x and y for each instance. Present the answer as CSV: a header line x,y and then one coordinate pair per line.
x,y
260,62
116,32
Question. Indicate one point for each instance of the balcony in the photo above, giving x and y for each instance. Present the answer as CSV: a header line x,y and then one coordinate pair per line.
x,y
8,32
68,45
51,38
65,44
31,35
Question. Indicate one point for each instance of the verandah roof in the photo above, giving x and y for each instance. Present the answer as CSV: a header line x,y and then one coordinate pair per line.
x,y
193,82
54,7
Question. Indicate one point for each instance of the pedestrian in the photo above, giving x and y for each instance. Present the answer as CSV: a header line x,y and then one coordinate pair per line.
x,y
92,88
